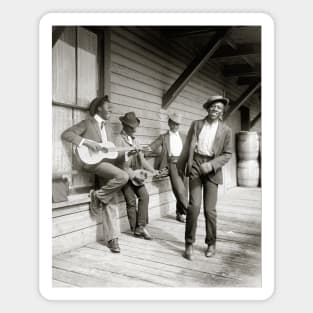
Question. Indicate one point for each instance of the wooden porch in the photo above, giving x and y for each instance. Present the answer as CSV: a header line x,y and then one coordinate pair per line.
x,y
159,263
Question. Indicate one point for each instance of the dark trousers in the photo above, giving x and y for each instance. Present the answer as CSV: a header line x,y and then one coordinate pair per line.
x,y
136,217
179,187
198,182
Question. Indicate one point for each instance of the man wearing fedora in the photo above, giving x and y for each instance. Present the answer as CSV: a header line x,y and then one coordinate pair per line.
x,y
134,161
171,144
207,149
91,132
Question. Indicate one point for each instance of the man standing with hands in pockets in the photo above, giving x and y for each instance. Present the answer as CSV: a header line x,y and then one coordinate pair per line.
x,y
207,149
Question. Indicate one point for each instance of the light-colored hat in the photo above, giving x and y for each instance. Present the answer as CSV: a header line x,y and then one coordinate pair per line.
x,y
213,99
175,117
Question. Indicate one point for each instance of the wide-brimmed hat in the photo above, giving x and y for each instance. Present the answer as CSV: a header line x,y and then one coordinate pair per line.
x,y
95,103
130,119
175,117
213,99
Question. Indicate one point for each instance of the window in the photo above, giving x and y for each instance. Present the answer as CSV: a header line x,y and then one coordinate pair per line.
x,y
77,78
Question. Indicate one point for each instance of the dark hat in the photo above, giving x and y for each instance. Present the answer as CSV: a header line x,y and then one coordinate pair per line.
x,y
213,99
95,103
130,119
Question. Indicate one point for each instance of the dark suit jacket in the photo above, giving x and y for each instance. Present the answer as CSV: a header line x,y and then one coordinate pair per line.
x,y
87,129
222,147
164,142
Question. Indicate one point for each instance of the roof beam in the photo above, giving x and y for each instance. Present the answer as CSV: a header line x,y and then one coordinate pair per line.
x,y
242,99
194,67
240,51
242,80
255,120
189,32
241,70
57,31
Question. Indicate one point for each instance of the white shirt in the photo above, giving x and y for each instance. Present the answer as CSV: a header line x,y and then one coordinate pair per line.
x,y
176,144
206,138
103,133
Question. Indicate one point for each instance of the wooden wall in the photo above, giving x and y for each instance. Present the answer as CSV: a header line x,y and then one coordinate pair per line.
x,y
143,66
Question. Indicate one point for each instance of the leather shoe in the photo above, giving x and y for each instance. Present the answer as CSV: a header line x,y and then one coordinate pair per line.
x,y
142,232
188,251
95,203
113,245
210,251
180,218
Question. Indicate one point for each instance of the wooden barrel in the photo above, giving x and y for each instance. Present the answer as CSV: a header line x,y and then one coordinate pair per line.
x,y
248,173
247,145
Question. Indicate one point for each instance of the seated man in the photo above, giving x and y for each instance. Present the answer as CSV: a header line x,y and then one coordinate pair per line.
x,y
172,143
91,132
135,186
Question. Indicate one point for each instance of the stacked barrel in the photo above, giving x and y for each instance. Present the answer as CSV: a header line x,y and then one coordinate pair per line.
x,y
248,167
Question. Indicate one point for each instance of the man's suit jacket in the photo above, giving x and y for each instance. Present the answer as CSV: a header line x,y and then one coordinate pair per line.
x,y
164,141
222,147
133,162
87,129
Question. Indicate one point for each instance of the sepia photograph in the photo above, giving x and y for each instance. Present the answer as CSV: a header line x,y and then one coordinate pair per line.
x,y
156,156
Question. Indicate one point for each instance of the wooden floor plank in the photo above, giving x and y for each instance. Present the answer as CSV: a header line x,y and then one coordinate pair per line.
x,y
87,276
159,263
60,284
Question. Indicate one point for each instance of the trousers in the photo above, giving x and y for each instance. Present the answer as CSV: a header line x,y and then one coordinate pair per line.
x,y
179,189
197,184
131,193
112,179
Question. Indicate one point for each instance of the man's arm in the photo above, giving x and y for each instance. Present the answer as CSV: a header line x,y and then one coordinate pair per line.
x,y
73,134
181,164
156,143
226,154
146,165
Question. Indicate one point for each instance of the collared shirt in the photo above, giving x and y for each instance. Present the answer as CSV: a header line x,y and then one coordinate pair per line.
x,y
101,123
206,138
134,160
176,144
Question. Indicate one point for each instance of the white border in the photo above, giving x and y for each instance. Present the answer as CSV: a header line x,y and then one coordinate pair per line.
x,y
45,156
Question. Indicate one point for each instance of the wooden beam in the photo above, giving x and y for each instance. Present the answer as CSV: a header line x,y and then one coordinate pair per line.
x,y
242,99
57,31
240,51
189,31
255,120
242,80
193,67
241,70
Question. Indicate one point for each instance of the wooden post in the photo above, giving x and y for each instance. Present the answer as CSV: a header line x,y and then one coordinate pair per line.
x,y
194,67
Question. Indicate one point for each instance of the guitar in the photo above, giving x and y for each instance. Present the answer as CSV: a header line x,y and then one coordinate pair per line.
x,y
109,152
142,175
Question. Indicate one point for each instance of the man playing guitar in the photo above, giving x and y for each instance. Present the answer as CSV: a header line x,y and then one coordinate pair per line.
x,y
135,187
92,132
